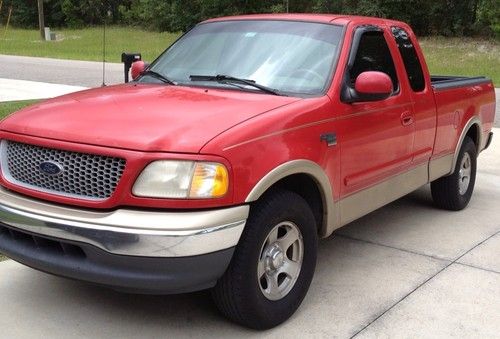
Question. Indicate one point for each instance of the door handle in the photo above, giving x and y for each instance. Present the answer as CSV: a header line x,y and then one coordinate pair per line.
x,y
407,118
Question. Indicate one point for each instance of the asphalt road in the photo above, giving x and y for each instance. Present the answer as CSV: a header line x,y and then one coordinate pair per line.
x,y
80,73
56,71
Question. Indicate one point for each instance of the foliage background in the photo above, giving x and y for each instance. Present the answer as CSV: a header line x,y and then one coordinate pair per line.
x,y
427,17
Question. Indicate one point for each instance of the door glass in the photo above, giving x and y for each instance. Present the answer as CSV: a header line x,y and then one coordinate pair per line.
x,y
374,55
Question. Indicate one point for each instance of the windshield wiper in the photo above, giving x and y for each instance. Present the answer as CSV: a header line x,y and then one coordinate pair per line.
x,y
159,76
228,79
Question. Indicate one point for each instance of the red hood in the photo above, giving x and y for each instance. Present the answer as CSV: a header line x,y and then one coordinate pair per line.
x,y
142,117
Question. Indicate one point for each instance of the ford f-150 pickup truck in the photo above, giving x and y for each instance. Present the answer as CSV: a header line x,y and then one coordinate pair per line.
x,y
221,164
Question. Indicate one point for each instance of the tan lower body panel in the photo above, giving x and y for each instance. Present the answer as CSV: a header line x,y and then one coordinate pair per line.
x,y
370,199
440,167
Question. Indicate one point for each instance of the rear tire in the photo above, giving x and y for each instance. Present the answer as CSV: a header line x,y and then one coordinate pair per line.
x,y
455,191
279,240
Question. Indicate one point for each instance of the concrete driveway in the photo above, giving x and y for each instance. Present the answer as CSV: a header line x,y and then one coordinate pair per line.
x,y
406,270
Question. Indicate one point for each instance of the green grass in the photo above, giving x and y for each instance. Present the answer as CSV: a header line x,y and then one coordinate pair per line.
x,y
86,44
2,257
463,56
11,106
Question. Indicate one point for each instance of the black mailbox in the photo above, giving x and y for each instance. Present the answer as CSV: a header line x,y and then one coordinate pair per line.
x,y
128,59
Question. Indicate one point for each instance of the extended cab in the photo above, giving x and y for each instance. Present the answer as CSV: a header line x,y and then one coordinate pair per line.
x,y
226,159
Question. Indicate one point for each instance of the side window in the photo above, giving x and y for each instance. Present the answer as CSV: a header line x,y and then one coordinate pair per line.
x,y
373,55
410,59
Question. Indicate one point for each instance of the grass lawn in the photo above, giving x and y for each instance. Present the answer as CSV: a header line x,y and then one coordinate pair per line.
x,y
463,56
445,56
86,44
11,106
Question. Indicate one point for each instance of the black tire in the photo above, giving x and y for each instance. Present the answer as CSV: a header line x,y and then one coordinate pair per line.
x,y
446,191
238,293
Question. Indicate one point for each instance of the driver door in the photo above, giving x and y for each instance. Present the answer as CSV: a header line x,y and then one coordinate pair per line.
x,y
376,137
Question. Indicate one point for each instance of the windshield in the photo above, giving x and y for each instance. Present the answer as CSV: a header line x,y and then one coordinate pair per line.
x,y
287,56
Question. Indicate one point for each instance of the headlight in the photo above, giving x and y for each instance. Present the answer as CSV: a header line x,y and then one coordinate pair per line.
x,y
182,180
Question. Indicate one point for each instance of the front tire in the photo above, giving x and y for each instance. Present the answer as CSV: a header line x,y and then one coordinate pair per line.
x,y
273,264
455,191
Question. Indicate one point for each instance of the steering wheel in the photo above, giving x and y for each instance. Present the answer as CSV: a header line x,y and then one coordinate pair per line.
x,y
306,72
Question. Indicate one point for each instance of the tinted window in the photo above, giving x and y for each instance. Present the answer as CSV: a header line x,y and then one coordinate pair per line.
x,y
410,59
374,55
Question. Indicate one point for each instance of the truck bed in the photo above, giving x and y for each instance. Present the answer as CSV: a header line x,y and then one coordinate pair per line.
x,y
458,100
440,82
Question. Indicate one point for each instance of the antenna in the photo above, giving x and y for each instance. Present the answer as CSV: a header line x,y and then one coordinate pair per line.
x,y
104,50
104,54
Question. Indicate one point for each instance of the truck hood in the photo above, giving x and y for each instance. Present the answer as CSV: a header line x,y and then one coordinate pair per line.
x,y
143,117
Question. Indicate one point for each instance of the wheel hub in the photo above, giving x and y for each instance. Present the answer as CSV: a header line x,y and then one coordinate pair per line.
x,y
464,174
275,258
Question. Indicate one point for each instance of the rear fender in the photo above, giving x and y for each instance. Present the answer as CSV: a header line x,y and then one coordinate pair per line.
x,y
473,122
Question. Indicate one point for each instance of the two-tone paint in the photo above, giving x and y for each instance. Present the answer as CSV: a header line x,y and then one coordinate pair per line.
x,y
356,156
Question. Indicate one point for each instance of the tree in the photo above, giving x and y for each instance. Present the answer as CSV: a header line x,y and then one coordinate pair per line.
x,y
41,20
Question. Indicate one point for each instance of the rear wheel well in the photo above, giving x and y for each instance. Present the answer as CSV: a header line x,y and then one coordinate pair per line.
x,y
305,186
474,133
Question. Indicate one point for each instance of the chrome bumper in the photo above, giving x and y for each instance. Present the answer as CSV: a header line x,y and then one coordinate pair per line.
x,y
127,231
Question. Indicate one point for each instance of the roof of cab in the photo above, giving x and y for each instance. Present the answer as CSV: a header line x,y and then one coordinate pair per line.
x,y
325,18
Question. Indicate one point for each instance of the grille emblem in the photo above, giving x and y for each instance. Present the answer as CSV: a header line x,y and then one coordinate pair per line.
x,y
51,168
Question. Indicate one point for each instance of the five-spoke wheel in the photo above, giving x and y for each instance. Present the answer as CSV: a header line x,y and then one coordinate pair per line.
x,y
280,260
273,264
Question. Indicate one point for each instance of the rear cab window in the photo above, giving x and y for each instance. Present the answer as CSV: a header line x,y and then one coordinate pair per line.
x,y
410,59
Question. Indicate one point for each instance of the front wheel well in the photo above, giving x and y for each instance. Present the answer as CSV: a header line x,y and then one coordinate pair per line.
x,y
305,186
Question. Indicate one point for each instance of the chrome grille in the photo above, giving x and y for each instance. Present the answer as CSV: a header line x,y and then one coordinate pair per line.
x,y
82,175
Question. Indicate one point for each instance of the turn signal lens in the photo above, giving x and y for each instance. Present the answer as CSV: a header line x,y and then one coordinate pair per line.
x,y
210,180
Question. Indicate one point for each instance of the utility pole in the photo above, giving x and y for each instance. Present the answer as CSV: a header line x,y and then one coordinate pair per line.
x,y
41,21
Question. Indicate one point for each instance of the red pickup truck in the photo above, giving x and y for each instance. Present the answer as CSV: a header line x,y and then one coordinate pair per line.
x,y
226,159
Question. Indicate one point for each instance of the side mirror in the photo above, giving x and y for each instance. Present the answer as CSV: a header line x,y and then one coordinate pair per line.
x,y
369,86
137,68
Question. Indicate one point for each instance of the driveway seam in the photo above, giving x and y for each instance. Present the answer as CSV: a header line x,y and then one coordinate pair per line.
x,y
392,247
477,267
422,284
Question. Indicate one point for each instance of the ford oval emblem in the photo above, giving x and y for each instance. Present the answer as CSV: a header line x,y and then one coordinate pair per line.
x,y
51,168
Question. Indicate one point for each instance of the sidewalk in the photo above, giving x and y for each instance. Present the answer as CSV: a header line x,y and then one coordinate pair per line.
x,y
15,90
406,270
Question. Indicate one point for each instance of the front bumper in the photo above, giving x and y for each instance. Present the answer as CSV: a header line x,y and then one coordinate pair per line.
x,y
149,251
